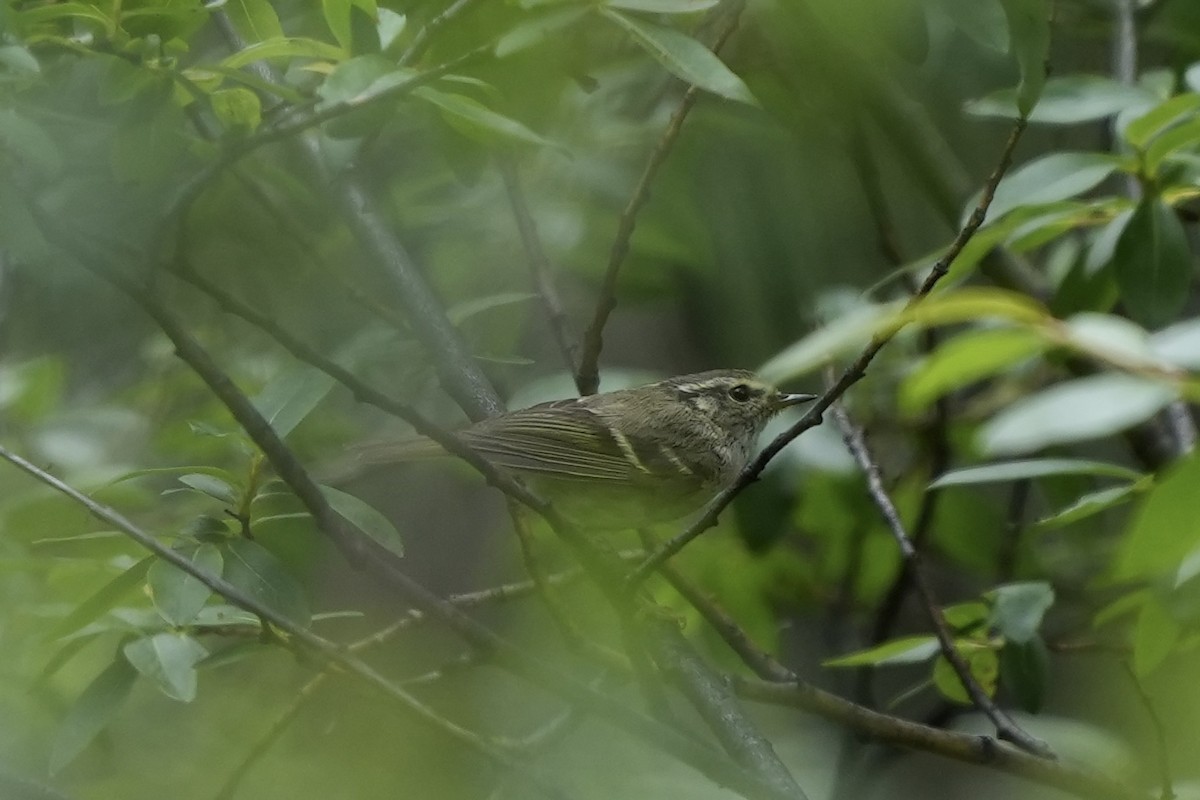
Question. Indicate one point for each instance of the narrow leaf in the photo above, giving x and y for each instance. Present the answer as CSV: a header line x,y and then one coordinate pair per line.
x,y
291,396
1031,468
176,594
168,659
92,712
365,518
1153,264
104,599
965,359
1029,42
908,650
213,487
253,569
683,57
1050,178
1077,410
1165,528
1018,608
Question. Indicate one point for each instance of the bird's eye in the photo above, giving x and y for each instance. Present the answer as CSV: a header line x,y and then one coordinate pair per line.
x,y
740,392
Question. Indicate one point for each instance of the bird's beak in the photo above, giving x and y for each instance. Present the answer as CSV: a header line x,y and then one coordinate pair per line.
x,y
784,400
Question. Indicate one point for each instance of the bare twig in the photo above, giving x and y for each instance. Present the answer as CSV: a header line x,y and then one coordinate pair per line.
x,y
852,374
1005,726
539,266
587,377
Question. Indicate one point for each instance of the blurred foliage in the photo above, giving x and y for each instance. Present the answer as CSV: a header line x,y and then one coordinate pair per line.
x,y
1031,416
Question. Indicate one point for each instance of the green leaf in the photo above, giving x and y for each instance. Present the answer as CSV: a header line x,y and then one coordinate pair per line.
x,y
255,20
237,108
475,120
1068,100
1140,131
253,569
984,666
968,357
982,20
1053,177
461,312
27,142
1154,637
908,650
283,47
1031,468
1184,135
532,32
662,6
102,600
1110,337
1029,37
1018,608
1153,264
168,659
1178,344
965,617
337,17
848,332
291,396
19,60
177,595
365,518
1165,528
1074,411
1025,668
223,475
390,27
683,57
213,487
1090,504
92,712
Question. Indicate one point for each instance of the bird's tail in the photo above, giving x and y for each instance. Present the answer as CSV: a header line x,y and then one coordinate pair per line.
x,y
360,458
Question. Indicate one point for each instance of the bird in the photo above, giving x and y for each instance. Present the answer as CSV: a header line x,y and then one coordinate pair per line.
x,y
624,458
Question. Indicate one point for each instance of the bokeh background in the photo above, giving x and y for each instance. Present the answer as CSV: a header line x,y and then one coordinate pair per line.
x,y
766,222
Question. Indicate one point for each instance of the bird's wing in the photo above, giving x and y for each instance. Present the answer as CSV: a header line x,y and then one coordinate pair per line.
x,y
567,439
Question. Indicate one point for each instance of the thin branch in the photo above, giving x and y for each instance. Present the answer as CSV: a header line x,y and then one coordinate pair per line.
x,y
852,374
539,267
328,650
972,749
780,685
1006,728
1161,751
587,377
364,552
762,663
677,658
424,36
459,374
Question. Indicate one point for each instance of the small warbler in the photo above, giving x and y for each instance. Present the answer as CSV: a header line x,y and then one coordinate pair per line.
x,y
624,458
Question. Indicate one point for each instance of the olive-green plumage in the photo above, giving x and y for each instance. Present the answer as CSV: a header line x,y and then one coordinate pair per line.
x,y
629,457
